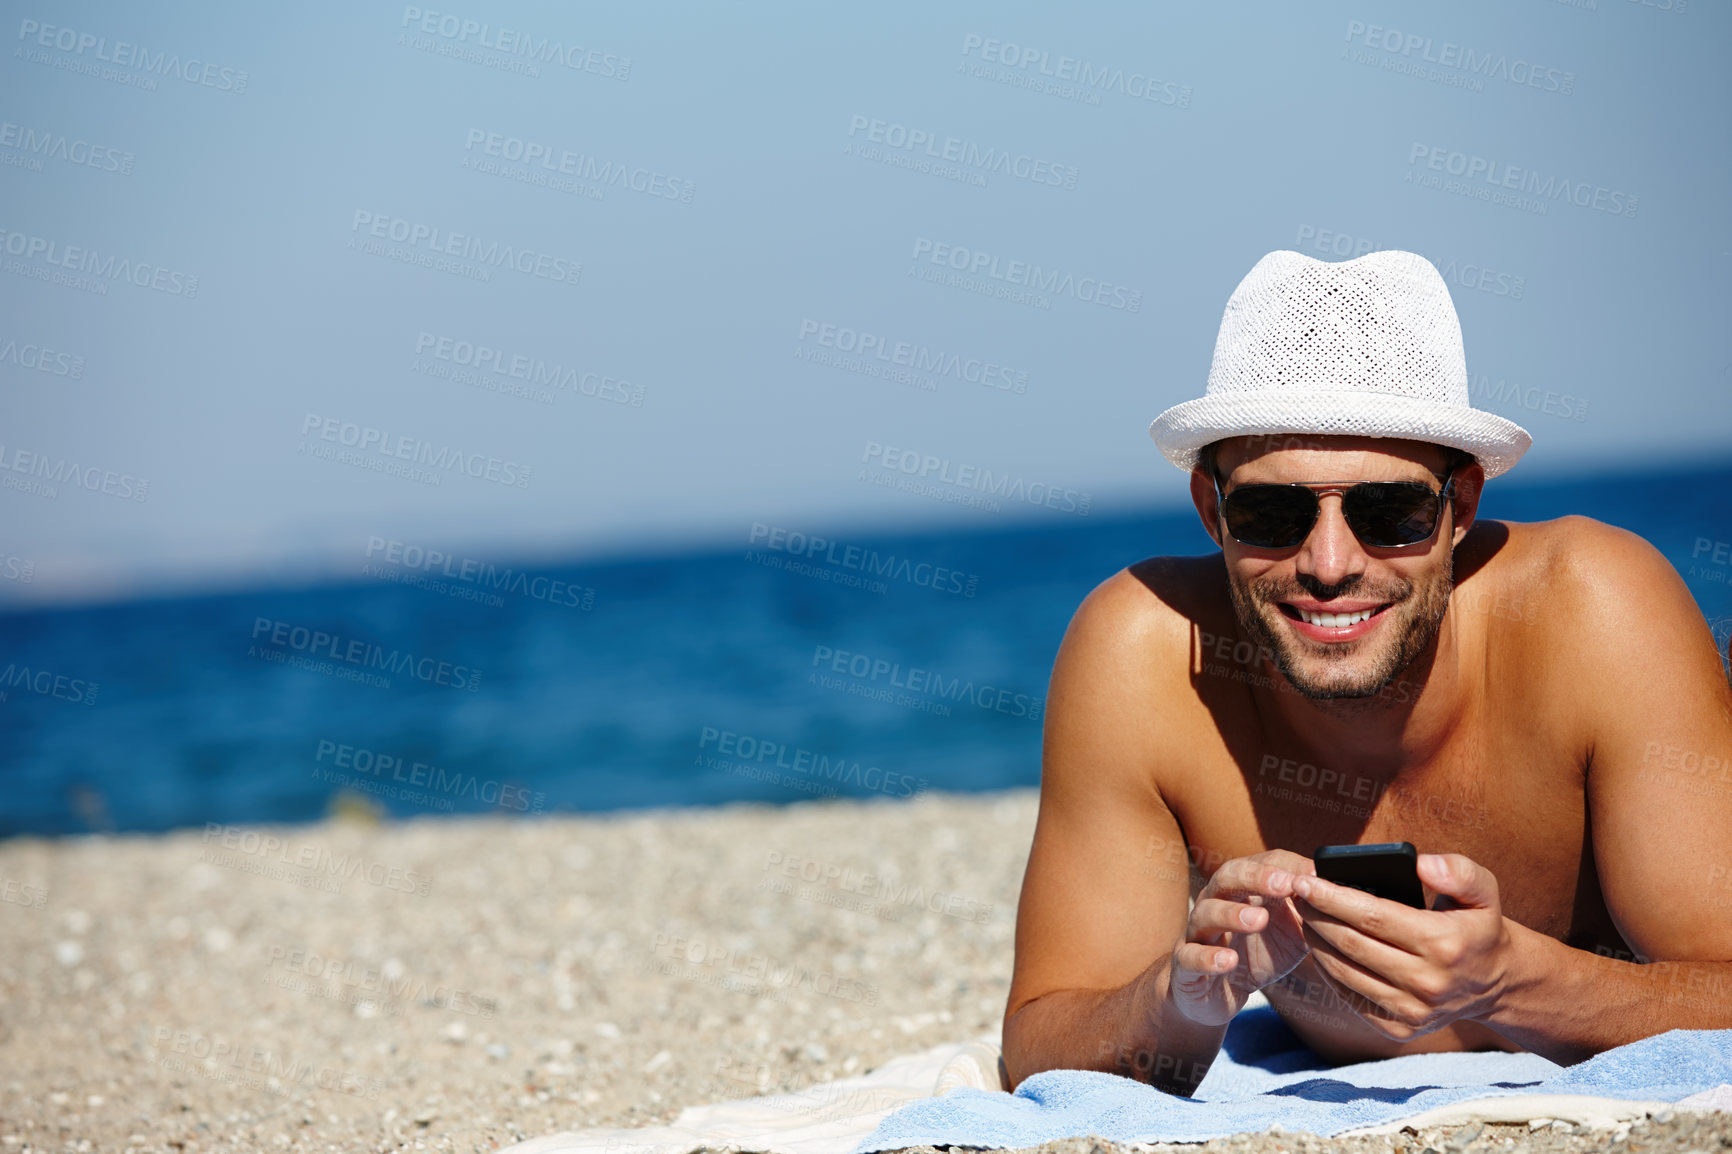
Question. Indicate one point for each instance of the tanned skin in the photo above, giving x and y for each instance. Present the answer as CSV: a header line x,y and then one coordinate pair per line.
x,y
1557,748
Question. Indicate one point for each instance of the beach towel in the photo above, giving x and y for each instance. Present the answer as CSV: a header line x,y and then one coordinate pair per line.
x,y
948,1096
1266,1077
827,1118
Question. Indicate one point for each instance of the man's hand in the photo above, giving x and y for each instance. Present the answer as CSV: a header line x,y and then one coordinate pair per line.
x,y
1413,971
1243,934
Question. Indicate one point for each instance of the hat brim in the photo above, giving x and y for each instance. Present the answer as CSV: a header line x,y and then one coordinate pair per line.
x,y
1495,442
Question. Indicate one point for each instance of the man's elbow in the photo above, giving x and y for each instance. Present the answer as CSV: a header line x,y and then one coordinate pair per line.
x,y
1018,1038
1051,1031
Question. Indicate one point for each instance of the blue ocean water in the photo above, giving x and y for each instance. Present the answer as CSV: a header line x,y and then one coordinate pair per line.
x,y
749,674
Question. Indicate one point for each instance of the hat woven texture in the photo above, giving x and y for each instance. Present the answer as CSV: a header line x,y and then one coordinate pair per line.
x,y
1369,347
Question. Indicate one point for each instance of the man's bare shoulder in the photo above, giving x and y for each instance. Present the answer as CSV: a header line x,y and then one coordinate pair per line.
x,y
1574,563
1609,611
1130,667
1144,613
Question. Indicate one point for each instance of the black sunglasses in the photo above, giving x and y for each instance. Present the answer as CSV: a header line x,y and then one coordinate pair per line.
x,y
1382,514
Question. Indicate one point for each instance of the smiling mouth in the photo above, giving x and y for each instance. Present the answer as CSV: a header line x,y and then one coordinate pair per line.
x,y
1332,620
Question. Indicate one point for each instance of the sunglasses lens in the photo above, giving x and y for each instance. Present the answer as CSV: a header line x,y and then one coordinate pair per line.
x,y
1269,516
1388,514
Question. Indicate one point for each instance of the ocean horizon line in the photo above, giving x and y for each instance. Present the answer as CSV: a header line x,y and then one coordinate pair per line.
x,y
334,571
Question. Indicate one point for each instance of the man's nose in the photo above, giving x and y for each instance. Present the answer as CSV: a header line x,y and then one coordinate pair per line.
x,y
1331,553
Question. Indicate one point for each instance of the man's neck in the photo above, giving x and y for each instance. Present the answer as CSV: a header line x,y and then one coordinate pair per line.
x,y
1406,725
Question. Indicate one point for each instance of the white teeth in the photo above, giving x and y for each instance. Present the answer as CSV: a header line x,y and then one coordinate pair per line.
x,y
1335,620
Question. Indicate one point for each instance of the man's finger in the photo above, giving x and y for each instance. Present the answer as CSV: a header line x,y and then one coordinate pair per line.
x,y
1399,925
1349,941
1201,959
1288,860
1244,876
1464,881
1366,993
1213,916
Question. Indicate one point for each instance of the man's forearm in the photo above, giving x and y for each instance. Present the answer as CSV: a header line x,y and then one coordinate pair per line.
x,y
1568,1005
1134,1031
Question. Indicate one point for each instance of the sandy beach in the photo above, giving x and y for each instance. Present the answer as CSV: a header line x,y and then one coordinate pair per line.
x,y
463,984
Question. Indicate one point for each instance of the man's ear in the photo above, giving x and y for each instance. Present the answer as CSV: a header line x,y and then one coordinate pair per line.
x,y
1469,482
1203,497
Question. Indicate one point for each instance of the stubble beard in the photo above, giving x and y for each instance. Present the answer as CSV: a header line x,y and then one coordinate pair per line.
x,y
1324,672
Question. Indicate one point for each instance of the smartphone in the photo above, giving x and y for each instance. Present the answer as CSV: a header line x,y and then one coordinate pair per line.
x,y
1386,870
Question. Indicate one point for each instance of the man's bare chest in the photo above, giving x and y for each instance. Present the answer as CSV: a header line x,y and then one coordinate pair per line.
x,y
1518,811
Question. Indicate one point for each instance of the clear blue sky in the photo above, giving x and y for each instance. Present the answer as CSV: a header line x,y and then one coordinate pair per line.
x,y
766,226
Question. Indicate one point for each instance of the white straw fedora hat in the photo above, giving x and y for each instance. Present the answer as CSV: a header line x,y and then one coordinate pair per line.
x,y
1369,347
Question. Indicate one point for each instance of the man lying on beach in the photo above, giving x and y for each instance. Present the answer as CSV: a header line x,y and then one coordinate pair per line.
x,y
1539,708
